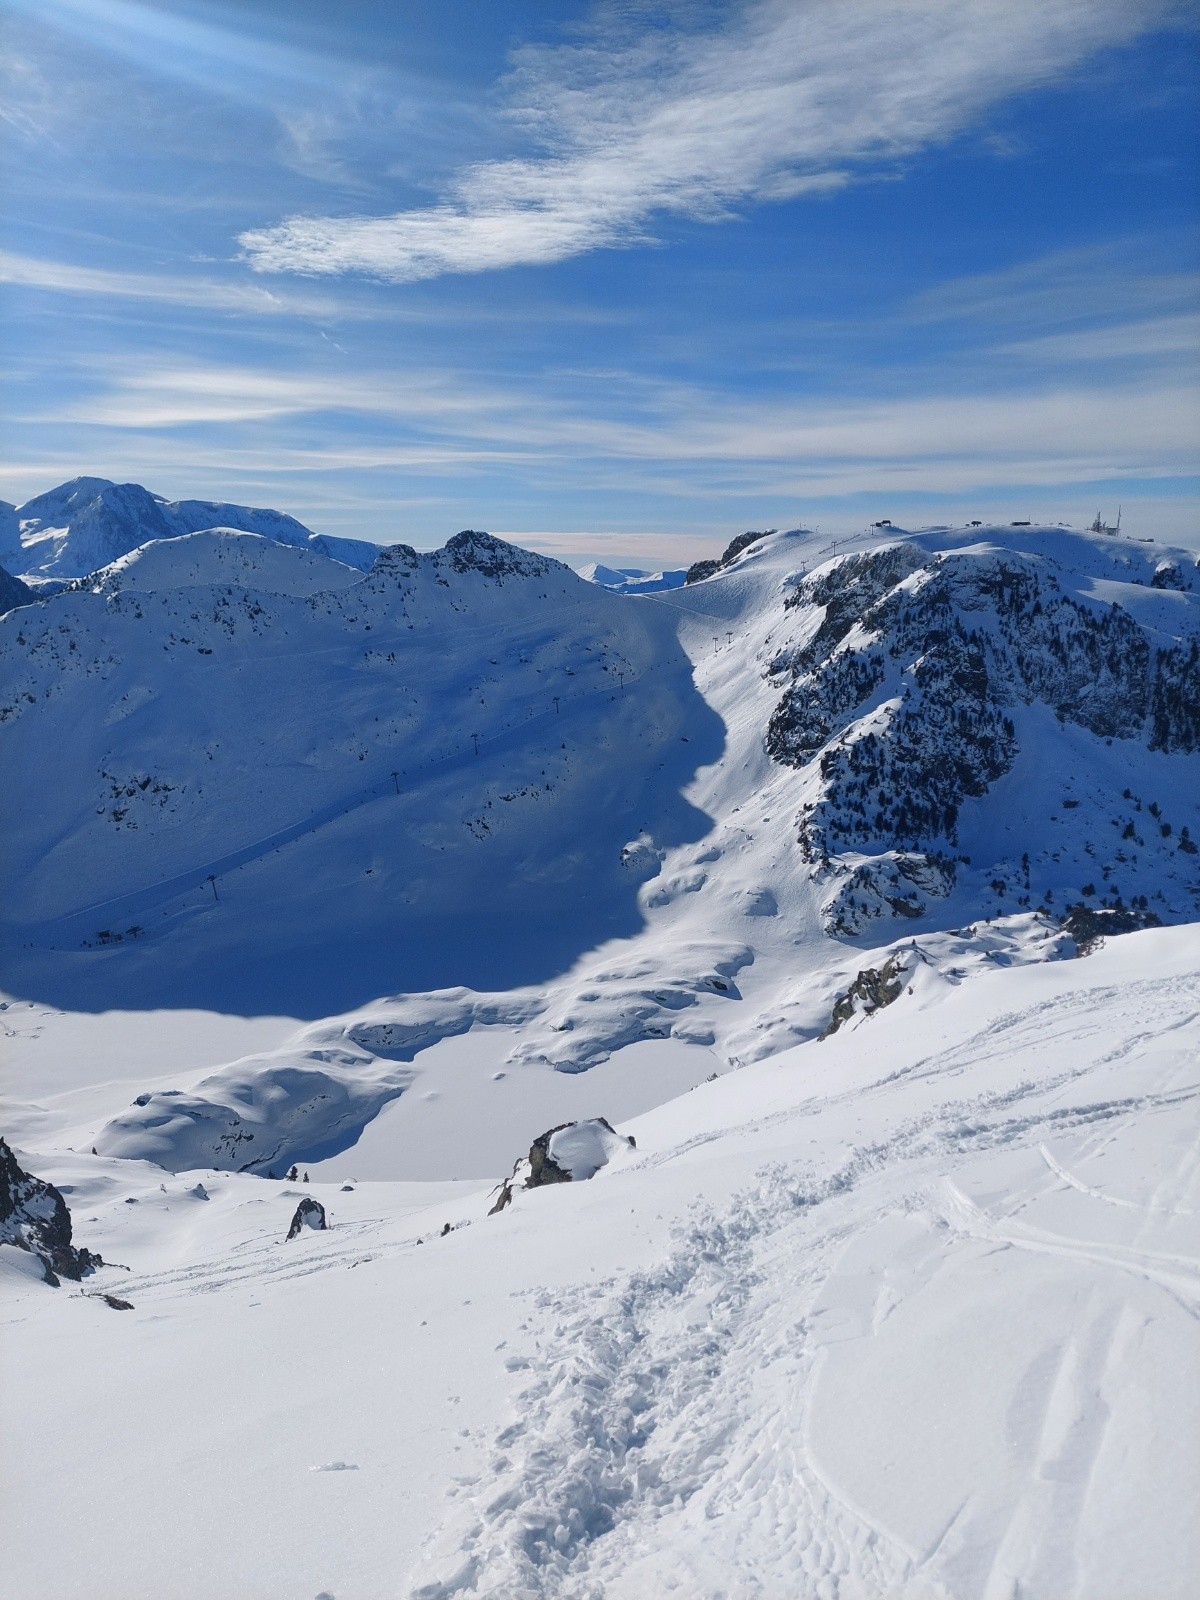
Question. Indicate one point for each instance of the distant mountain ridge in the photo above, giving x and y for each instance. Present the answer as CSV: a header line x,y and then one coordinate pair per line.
x,y
88,523
632,580
500,795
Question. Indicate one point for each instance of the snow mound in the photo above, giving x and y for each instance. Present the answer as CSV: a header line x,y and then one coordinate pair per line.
x,y
581,1148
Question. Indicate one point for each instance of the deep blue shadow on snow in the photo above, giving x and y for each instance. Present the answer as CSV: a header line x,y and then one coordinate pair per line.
x,y
402,892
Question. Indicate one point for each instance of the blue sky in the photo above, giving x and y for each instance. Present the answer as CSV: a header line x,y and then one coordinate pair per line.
x,y
620,280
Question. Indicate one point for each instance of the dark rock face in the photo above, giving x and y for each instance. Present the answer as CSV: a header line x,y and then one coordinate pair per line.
x,y
902,691
13,592
471,551
308,1214
34,1217
699,570
542,1166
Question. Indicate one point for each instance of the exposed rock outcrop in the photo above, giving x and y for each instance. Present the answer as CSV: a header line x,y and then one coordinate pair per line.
x,y
35,1217
699,570
473,551
569,1152
902,692
894,885
872,989
308,1214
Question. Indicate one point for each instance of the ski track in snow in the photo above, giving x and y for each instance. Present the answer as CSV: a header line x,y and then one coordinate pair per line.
x,y
642,1407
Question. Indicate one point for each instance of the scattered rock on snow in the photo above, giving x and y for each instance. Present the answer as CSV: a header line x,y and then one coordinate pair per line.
x,y
34,1216
899,884
308,1214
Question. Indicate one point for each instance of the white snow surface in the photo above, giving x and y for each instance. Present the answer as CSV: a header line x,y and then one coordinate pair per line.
x,y
384,875
910,1311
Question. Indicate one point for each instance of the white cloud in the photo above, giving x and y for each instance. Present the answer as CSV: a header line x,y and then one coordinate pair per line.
x,y
781,98
61,277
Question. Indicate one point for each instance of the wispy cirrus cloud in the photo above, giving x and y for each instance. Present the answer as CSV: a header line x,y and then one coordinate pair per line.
x,y
436,420
775,99
1120,280
70,278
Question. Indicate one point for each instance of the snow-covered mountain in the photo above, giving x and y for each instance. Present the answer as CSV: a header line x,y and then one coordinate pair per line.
x,y
422,875
90,522
271,783
427,776
632,580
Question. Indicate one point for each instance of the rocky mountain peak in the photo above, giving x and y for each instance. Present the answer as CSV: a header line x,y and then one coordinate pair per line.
x,y
474,551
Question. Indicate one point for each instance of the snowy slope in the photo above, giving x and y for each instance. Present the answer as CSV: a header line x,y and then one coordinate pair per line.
x,y
263,800
907,1312
786,873
223,556
13,592
88,523
672,831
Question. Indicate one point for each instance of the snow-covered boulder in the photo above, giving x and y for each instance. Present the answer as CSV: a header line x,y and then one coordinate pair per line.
x,y
35,1217
308,1214
580,1149
570,1152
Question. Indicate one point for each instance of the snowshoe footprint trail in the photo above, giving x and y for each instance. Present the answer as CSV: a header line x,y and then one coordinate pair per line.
x,y
671,1412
